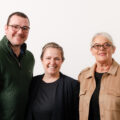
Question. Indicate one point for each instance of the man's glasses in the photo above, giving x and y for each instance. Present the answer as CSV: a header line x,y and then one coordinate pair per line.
x,y
16,28
98,46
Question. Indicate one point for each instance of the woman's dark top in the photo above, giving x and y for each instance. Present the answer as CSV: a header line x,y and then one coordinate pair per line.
x,y
61,104
43,105
94,111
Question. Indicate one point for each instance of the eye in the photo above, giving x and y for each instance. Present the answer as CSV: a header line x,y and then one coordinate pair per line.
x,y
57,58
107,44
98,46
16,26
25,28
47,58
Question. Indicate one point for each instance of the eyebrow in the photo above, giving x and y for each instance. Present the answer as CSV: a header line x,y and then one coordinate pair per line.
x,y
100,43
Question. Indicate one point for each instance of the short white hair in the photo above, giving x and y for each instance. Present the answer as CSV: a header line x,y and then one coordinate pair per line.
x,y
106,35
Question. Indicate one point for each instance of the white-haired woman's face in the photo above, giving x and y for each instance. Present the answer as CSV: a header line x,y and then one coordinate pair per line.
x,y
102,49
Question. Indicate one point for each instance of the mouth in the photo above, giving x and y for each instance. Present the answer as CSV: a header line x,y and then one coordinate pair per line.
x,y
19,36
52,67
102,54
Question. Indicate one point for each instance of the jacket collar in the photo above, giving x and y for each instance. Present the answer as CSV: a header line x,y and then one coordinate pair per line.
x,y
112,70
6,44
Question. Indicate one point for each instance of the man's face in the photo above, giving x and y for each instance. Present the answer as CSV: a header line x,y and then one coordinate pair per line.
x,y
17,31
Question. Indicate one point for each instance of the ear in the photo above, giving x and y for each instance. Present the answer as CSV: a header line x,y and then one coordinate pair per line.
x,y
6,28
92,51
114,48
41,59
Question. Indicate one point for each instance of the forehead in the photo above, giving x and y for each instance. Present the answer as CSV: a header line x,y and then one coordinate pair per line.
x,y
52,52
15,19
100,39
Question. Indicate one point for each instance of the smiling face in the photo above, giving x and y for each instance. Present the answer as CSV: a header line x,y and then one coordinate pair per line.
x,y
52,61
17,38
105,51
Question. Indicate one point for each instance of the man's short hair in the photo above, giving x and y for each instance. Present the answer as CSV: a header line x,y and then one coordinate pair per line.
x,y
21,14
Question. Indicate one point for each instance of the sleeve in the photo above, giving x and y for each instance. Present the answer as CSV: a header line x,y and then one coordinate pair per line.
x,y
28,115
1,83
1,87
1,80
83,73
76,89
79,80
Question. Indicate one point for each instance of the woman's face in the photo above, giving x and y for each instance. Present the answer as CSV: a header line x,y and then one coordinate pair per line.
x,y
52,61
102,49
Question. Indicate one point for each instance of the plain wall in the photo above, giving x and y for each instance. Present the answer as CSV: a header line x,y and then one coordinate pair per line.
x,y
70,23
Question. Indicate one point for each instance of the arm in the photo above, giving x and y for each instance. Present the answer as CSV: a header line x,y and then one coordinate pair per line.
x,y
1,81
76,100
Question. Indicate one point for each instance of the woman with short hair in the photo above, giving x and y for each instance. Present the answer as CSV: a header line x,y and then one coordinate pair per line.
x,y
100,84
53,95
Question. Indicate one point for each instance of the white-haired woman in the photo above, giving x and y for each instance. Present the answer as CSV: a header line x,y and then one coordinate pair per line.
x,y
100,84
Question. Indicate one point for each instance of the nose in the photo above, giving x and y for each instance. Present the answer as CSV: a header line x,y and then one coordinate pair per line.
x,y
101,47
20,30
52,61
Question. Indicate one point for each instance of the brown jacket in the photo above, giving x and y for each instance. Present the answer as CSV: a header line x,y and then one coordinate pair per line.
x,y
109,96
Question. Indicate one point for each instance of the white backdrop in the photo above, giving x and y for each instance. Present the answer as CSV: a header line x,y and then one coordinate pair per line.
x,y
70,23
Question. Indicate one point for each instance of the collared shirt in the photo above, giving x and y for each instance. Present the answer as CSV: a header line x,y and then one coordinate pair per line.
x,y
22,51
109,95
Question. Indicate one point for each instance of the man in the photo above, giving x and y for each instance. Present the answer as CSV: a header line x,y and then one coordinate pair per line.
x,y
16,68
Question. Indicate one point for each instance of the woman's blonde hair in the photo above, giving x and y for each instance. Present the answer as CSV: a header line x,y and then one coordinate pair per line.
x,y
52,45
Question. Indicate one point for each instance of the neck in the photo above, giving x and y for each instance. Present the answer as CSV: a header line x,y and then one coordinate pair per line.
x,y
103,67
50,78
16,50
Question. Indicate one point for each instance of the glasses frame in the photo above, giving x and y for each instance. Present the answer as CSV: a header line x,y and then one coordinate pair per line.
x,y
98,46
18,27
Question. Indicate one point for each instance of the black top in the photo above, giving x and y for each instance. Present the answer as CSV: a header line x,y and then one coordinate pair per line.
x,y
43,105
94,112
65,104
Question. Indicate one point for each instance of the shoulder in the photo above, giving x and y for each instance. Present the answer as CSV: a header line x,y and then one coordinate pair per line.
x,y
35,81
86,70
37,78
29,55
2,51
2,48
83,73
70,84
69,79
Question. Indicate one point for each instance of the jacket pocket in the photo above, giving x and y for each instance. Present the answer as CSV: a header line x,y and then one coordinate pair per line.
x,y
112,100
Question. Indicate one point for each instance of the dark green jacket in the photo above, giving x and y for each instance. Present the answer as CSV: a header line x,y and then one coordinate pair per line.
x,y
15,78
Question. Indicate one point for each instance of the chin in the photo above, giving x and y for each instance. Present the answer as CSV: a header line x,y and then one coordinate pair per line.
x,y
102,61
17,44
53,73
19,41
